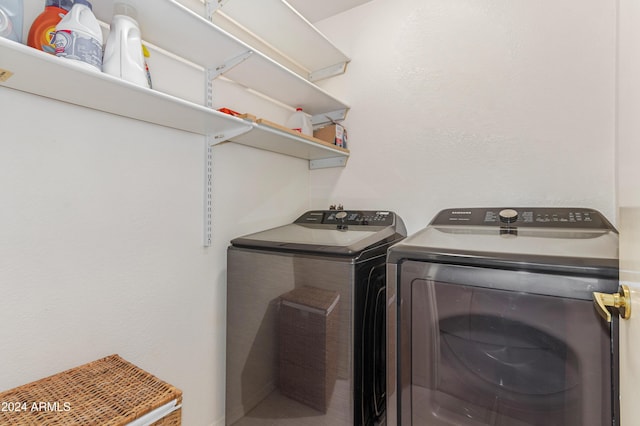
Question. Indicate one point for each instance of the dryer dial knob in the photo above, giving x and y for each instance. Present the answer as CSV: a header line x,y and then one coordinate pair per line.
x,y
508,215
341,215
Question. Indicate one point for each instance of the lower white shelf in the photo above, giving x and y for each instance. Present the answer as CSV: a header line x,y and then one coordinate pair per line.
x,y
275,138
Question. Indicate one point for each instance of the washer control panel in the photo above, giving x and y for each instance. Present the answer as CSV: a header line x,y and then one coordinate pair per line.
x,y
551,217
348,217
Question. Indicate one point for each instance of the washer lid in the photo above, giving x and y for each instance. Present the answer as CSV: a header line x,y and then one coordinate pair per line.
x,y
546,240
330,232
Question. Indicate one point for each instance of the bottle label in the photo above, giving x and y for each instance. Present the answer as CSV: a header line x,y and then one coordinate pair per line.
x,y
74,45
48,40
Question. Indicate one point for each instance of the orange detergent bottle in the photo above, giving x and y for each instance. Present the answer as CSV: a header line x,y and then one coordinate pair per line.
x,y
44,26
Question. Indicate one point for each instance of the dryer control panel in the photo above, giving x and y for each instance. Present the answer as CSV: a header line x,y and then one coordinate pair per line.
x,y
539,217
348,217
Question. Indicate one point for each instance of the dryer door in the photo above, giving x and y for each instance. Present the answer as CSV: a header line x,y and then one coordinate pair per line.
x,y
476,349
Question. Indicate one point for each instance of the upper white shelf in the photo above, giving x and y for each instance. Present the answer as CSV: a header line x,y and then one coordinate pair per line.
x,y
30,70
57,78
284,29
179,30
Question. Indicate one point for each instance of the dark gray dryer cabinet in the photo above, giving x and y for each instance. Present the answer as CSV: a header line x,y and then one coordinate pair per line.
x,y
315,286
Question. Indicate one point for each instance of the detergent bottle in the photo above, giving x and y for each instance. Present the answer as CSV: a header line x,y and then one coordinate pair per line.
x,y
43,28
79,37
11,16
123,52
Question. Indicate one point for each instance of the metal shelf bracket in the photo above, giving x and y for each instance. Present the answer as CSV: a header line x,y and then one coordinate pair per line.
x,y
320,120
328,72
324,163
208,193
210,142
227,65
229,134
213,5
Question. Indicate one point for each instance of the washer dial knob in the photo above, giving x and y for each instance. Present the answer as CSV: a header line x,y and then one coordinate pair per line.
x,y
341,215
508,215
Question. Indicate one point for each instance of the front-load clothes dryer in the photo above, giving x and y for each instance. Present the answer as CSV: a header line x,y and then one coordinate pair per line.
x,y
491,320
306,320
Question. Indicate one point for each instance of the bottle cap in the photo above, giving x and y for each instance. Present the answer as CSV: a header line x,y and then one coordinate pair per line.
x,y
298,109
66,4
63,4
84,2
126,9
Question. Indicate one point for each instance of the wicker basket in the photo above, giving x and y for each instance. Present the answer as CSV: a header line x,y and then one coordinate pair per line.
x,y
309,345
106,392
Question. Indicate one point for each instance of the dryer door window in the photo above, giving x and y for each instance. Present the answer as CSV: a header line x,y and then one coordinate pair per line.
x,y
487,356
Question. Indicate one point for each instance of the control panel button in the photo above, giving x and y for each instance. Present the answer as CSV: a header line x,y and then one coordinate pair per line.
x,y
508,215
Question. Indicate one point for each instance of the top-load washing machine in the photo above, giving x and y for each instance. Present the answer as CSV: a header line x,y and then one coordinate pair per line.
x,y
491,320
306,320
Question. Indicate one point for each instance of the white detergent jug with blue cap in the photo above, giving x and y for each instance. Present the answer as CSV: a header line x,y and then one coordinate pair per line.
x,y
11,16
79,37
123,55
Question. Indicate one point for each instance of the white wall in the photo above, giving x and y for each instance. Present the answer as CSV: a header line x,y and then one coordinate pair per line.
x,y
101,235
475,103
453,103
629,106
101,244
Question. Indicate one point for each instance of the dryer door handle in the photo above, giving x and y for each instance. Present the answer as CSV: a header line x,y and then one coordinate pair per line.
x,y
620,300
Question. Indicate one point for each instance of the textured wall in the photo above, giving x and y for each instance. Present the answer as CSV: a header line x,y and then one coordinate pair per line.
x,y
629,106
101,244
475,103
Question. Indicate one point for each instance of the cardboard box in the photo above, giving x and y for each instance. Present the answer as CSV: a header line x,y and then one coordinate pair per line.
x,y
334,133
